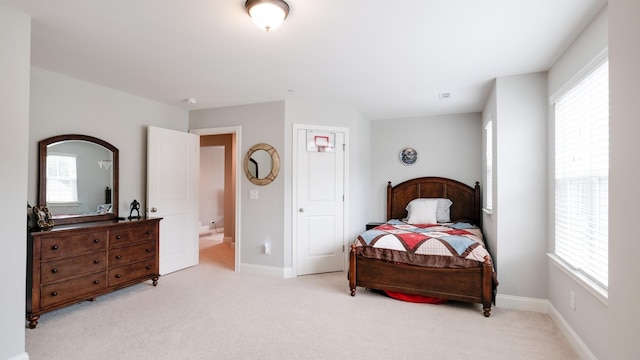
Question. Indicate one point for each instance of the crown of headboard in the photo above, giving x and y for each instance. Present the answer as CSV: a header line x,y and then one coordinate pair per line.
x,y
466,200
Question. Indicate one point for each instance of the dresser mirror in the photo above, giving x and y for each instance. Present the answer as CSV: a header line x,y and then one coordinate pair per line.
x,y
261,164
78,178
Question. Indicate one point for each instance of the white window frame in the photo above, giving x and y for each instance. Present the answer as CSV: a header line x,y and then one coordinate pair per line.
x,y
576,251
56,196
488,188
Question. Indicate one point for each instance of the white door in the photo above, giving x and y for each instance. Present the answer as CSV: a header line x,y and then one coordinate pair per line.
x,y
320,201
172,187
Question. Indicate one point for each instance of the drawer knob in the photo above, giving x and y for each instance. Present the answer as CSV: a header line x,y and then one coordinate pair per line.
x,y
118,257
96,282
54,270
96,261
118,276
54,247
96,241
148,232
54,293
118,237
148,267
148,250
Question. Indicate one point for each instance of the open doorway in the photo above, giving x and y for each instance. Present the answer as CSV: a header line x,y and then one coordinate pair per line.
x,y
217,198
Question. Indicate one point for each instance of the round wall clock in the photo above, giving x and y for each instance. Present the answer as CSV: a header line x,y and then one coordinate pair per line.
x,y
408,156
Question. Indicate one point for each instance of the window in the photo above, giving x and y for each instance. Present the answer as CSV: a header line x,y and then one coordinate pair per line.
x,y
62,180
582,175
488,192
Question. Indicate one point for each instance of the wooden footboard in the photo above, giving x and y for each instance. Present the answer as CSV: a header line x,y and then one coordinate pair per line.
x,y
473,285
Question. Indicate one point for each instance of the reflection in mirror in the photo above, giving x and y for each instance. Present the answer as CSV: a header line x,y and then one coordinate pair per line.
x,y
261,164
78,178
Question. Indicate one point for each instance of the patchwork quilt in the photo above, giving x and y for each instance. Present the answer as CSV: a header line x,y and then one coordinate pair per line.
x,y
451,245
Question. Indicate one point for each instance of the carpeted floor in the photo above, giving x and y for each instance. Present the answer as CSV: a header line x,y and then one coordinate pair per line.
x,y
210,312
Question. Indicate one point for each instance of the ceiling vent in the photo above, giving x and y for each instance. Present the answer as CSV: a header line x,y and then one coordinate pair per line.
x,y
445,96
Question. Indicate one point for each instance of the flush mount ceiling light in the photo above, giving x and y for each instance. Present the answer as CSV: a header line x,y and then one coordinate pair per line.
x,y
267,14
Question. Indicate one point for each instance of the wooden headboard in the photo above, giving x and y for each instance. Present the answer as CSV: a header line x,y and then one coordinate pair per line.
x,y
466,200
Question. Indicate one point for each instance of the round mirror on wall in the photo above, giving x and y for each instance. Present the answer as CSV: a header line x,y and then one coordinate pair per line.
x,y
261,164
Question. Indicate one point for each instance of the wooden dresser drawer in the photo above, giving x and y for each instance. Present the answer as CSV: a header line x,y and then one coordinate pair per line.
x,y
123,274
125,235
71,245
130,254
80,261
79,288
58,270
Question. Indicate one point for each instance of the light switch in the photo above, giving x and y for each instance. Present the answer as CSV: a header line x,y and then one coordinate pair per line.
x,y
253,194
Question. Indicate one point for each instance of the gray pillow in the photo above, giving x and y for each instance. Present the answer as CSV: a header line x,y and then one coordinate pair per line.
x,y
443,214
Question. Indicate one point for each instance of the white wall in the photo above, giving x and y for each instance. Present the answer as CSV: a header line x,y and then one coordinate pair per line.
x,y
211,194
15,40
589,320
63,105
624,172
448,146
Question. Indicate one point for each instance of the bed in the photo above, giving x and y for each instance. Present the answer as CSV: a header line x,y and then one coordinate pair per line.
x,y
456,278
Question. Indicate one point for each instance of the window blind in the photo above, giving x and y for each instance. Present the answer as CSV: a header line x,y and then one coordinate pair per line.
x,y
488,191
62,178
582,175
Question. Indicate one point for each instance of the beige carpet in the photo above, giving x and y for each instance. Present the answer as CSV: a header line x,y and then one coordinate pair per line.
x,y
210,312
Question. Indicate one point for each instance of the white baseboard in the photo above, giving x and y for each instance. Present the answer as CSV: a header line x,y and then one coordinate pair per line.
x,y
544,306
23,356
576,343
522,303
269,271
206,230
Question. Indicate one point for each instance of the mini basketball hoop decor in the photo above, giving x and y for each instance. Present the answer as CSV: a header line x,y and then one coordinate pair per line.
x,y
318,141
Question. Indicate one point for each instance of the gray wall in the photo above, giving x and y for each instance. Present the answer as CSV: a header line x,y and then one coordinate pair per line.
x,y
262,219
520,125
448,146
624,172
15,34
63,105
269,218
589,320
359,148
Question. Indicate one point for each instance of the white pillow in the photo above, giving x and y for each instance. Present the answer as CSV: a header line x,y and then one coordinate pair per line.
x,y
443,214
422,211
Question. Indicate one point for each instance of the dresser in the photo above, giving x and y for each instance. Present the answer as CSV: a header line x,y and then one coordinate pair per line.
x,y
73,263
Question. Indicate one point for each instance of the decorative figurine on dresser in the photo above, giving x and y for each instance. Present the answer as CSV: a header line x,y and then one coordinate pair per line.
x,y
90,251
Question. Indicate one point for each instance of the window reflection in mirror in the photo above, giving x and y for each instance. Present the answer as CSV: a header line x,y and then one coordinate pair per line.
x,y
79,178
90,195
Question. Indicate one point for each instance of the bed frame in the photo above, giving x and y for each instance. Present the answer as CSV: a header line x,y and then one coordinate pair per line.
x,y
474,285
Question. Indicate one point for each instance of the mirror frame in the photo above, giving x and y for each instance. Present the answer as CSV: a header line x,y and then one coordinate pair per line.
x,y
275,164
42,178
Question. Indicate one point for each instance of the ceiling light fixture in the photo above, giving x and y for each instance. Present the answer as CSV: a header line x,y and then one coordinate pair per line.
x,y
267,14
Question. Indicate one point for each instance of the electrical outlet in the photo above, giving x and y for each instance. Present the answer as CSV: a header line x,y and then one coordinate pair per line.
x,y
572,300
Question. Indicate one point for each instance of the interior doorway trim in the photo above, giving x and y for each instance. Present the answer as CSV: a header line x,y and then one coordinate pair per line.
x,y
237,131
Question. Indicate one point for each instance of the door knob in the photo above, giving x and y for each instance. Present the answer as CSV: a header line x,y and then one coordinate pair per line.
x,y
301,210
154,209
